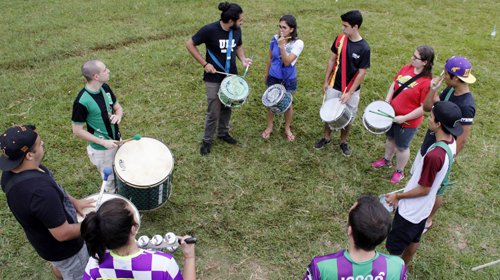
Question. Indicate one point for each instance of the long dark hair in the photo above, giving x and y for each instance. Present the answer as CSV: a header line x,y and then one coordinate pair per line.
x,y
108,228
427,54
291,22
230,11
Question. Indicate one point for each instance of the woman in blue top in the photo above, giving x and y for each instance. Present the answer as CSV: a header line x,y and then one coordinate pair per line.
x,y
281,69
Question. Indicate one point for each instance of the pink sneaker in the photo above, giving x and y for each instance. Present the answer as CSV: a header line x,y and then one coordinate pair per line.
x,y
381,163
396,177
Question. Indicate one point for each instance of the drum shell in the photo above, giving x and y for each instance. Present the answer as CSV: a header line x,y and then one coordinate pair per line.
x,y
282,105
151,195
106,197
374,123
229,101
344,114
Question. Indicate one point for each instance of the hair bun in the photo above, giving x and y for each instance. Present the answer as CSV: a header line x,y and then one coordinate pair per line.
x,y
224,6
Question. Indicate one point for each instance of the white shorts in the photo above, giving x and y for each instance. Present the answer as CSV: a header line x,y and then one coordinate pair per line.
x,y
102,159
353,102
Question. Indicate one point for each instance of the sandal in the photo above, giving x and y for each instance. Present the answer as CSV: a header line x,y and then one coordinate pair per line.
x,y
290,136
265,135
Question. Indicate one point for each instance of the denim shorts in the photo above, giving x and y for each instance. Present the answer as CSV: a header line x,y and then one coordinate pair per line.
x,y
272,81
402,135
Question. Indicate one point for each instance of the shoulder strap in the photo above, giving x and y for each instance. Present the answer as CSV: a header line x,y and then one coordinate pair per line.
x,y
19,177
400,89
228,54
340,50
449,94
445,147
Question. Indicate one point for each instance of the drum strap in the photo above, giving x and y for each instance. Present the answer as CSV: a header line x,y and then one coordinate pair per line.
x,y
409,82
228,54
25,175
449,94
445,147
342,51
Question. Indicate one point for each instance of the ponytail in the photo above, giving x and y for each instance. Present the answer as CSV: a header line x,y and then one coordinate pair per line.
x,y
230,11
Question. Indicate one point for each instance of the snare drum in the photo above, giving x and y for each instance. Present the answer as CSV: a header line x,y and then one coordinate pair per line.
x,y
277,99
106,197
144,171
233,91
386,205
335,114
374,122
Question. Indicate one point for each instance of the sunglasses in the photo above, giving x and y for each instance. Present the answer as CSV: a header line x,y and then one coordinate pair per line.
x,y
417,58
282,26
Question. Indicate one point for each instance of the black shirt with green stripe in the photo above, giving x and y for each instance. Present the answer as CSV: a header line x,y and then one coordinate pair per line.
x,y
92,107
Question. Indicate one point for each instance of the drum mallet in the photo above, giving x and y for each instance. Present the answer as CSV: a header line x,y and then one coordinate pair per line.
x,y
484,265
441,75
224,73
246,70
107,171
136,137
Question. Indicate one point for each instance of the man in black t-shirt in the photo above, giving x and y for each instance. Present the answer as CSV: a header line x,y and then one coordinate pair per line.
x,y
457,76
42,207
343,78
215,36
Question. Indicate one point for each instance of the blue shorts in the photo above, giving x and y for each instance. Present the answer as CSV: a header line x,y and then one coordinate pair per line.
x,y
402,234
402,135
272,81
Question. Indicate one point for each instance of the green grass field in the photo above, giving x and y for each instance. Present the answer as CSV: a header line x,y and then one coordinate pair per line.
x,y
264,208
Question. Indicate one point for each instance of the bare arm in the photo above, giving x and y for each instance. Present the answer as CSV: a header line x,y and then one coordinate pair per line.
x,y
410,116
81,204
269,58
81,133
118,114
240,53
393,198
286,58
329,70
191,47
359,78
462,139
189,271
65,231
432,97
390,93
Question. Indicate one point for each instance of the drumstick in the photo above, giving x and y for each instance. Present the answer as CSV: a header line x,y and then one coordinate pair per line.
x,y
247,68
107,171
390,116
441,75
136,137
225,73
484,265
397,191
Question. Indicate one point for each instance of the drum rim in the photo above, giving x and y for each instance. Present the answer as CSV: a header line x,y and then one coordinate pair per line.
x,y
116,196
232,99
284,92
367,111
335,119
143,186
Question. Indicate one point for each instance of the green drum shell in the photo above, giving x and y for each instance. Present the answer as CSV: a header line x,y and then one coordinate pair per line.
x,y
150,196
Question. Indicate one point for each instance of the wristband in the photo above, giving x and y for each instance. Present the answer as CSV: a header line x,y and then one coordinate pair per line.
x,y
187,258
397,196
205,65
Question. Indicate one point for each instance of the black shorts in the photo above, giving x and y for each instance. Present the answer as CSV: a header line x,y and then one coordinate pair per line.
x,y
402,234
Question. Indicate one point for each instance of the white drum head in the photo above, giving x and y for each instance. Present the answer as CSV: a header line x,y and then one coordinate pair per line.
x,y
143,163
106,197
331,110
376,120
273,95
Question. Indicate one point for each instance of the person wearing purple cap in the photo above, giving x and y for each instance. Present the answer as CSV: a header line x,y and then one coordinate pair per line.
x,y
457,76
42,207
415,204
367,226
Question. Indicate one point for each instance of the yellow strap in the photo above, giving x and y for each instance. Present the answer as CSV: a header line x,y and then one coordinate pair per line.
x,y
339,50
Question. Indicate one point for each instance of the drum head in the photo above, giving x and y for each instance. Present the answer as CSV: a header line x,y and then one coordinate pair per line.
x,y
273,95
234,87
376,120
331,110
143,163
106,197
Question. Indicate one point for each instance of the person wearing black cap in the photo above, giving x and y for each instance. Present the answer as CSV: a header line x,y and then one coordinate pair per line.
x,y
415,204
42,207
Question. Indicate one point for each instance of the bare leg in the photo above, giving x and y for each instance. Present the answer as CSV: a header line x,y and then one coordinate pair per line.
x,y
270,118
57,273
328,132
288,121
402,157
390,148
409,252
344,132
437,204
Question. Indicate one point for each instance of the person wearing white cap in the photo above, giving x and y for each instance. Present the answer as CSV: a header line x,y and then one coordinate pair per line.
x,y
457,76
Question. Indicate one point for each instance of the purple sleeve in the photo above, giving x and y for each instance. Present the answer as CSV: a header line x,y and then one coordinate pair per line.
x,y
404,273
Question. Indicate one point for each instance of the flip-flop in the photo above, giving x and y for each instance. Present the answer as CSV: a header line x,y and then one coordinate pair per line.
x,y
266,135
427,228
290,136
